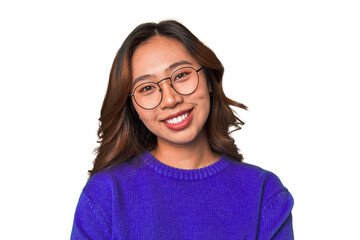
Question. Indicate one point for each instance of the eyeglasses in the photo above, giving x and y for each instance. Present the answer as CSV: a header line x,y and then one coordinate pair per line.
x,y
184,81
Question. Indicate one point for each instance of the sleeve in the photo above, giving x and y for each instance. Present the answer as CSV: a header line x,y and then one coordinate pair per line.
x,y
275,216
89,223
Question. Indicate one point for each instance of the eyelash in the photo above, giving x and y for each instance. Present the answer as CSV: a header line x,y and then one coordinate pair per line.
x,y
182,75
144,89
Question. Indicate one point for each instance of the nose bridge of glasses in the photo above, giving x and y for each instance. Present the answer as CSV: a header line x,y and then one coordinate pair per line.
x,y
162,80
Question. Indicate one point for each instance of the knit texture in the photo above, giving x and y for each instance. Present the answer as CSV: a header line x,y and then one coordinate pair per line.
x,y
146,199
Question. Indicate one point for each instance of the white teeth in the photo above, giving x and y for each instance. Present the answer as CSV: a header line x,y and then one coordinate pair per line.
x,y
178,119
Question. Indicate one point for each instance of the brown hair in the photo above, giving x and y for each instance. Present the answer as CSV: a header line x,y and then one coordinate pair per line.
x,y
123,136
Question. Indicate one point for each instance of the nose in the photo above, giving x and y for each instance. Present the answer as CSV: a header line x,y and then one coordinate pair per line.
x,y
170,98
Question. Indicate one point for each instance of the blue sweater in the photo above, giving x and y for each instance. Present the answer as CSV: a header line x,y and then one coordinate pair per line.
x,y
146,199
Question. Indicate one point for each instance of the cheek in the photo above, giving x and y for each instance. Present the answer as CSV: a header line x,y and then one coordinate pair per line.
x,y
205,103
201,100
148,117
202,97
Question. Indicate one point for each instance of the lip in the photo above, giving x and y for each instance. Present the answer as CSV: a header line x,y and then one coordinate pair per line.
x,y
183,124
177,114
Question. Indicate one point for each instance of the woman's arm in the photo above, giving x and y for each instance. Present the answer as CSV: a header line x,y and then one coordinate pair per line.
x,y
275,215
276,218
89,222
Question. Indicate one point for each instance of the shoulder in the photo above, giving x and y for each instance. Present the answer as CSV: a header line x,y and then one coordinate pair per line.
x,y
258,179
274,199
108,178
251,172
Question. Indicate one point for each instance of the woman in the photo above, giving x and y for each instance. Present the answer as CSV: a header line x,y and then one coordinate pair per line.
x,y
166,167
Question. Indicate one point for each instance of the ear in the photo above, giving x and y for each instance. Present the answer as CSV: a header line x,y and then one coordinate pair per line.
x,y
133,111
209,84
210,89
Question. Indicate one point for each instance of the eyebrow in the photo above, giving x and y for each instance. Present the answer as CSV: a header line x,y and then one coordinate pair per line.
x,y
171,67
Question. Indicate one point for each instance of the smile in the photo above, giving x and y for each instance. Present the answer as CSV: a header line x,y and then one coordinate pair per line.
x,y
178,119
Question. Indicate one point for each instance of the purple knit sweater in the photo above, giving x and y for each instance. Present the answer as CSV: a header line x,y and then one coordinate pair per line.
x,y
146,199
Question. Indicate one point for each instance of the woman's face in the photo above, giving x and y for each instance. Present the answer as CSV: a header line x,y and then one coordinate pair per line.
x,y
178,119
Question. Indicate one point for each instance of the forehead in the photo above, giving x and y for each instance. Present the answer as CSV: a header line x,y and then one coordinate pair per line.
x,y
156,55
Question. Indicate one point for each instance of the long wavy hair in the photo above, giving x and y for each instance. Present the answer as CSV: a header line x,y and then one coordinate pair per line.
x,y
123,136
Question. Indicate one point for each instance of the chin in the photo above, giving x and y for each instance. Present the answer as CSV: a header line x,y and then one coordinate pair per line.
x,y
181,138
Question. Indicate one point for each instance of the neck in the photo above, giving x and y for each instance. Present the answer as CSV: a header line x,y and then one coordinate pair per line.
x,y
194,155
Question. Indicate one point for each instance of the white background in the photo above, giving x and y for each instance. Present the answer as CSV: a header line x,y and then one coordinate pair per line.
x,y
296,64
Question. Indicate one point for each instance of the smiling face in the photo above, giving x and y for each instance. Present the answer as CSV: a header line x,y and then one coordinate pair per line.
x,y
178,119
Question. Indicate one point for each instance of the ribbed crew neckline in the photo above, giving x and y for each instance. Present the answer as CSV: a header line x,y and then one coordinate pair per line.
x,y
184,174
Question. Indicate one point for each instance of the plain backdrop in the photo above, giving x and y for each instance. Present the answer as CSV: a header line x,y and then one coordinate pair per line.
x,y
295,64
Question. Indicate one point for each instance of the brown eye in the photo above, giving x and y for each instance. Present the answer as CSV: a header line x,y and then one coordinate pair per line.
x,y
181,76
146,88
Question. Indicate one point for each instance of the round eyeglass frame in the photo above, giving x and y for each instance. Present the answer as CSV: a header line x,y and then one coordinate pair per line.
x,y
157,83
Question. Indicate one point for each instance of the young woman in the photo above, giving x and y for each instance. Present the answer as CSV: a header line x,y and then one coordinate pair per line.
x,y
166,167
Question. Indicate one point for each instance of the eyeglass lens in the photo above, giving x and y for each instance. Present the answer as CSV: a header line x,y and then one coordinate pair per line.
x,y
184,81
